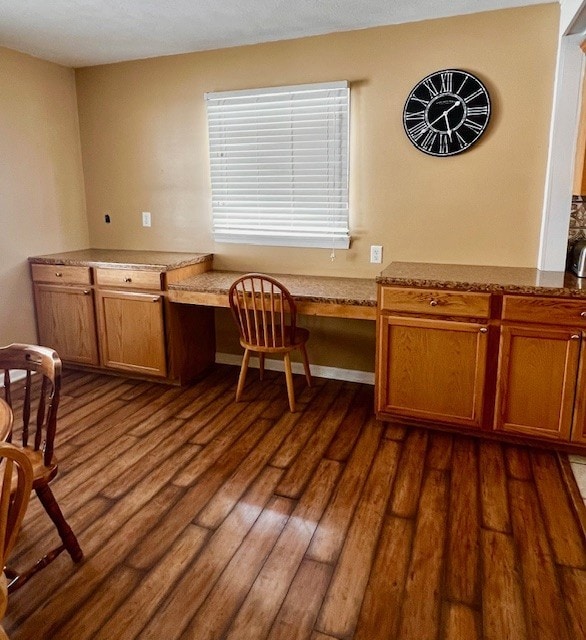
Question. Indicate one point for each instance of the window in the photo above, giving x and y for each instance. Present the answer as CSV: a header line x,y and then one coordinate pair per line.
x,y
279,165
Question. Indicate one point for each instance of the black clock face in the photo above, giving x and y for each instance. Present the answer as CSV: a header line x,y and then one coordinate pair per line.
x,y
447,112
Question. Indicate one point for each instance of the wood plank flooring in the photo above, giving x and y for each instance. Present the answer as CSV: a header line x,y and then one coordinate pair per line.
x,y
204,519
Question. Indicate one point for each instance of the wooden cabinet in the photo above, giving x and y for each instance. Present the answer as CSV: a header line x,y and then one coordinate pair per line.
x,y
542,352
431,359
431,369
119,319
132,332
506,364
536,381
66,314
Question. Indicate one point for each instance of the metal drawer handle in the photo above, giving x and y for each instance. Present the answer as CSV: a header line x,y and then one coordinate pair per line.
x,y
156,299
86,292
58,274
127,279
483,330
433,303
583,314
575,336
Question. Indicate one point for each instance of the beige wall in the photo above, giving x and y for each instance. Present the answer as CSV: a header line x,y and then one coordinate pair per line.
x,y
144,142
41,183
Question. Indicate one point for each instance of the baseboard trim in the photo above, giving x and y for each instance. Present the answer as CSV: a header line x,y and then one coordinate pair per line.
x,y
332,373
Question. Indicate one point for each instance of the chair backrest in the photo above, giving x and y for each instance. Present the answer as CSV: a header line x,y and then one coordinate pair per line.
x,y
263,309
41,393
16,475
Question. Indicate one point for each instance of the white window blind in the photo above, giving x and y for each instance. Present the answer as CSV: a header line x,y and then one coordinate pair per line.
x,y
279,165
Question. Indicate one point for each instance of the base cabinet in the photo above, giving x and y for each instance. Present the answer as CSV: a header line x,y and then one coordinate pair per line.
x,y
132,332
431,369
537,379
517,367
120,319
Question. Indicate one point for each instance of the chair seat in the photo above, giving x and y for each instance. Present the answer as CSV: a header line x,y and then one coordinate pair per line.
x,y
286,342
42,474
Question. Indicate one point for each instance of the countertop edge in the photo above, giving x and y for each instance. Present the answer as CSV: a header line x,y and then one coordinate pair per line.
x,y
153,265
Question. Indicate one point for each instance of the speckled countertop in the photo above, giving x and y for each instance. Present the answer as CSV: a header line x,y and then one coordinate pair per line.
x,y
477,278
324,289
123,259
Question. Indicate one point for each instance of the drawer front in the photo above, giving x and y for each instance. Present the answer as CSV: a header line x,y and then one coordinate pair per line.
x,y
56,274
129,279
544,310
435,302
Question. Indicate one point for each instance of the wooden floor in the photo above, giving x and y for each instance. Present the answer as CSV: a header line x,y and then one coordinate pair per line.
x,y
201,518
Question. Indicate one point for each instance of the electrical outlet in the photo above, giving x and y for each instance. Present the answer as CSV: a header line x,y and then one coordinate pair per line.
x,y
376,254
146,218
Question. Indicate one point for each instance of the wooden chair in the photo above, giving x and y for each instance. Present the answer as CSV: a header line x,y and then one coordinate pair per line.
x,y
39,406
265,314
16,475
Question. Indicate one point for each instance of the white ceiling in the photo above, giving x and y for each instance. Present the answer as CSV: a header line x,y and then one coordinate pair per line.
x,y
80,33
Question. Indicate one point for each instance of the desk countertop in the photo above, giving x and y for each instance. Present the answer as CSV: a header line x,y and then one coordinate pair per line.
x,y
318,289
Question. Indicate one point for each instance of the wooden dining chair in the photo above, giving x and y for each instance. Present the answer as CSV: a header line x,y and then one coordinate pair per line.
x,y
265,314
35,427
16,477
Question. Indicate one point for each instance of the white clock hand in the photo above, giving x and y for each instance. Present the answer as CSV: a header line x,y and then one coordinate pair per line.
x,y
445,113
449,131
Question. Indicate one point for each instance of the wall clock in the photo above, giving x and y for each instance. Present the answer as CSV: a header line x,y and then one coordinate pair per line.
x,y
446,112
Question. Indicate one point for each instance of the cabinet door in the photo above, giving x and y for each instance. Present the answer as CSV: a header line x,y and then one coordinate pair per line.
x,y
66,322
431,370
132,332
536,381
578,433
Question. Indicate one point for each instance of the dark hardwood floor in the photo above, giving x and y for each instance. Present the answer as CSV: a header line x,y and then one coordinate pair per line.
x,y
201,518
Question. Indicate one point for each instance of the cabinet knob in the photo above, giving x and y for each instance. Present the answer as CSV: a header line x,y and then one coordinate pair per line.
x,y
127,279
575,336
483,330
433,303
156,299
583,314
58,274
86,292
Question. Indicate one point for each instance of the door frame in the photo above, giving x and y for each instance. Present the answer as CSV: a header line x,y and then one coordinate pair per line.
x,y
563,138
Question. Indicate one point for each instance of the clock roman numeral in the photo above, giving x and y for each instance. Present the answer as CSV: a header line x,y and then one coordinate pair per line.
x,y
477,111
421,100
419,130
461,141
477,93
444,145
415,115
431,87
447,80
429,140
477,128
462,85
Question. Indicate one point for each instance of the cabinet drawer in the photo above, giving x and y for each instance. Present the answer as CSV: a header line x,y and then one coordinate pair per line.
x,y
435,302
129,279
545,310
58,274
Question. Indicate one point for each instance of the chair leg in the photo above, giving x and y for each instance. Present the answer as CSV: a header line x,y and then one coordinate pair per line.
x,y
261,364
65,532
306,364
289,378
242,376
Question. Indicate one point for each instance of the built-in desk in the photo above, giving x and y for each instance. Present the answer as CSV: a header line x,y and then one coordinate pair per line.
x,y
314,295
